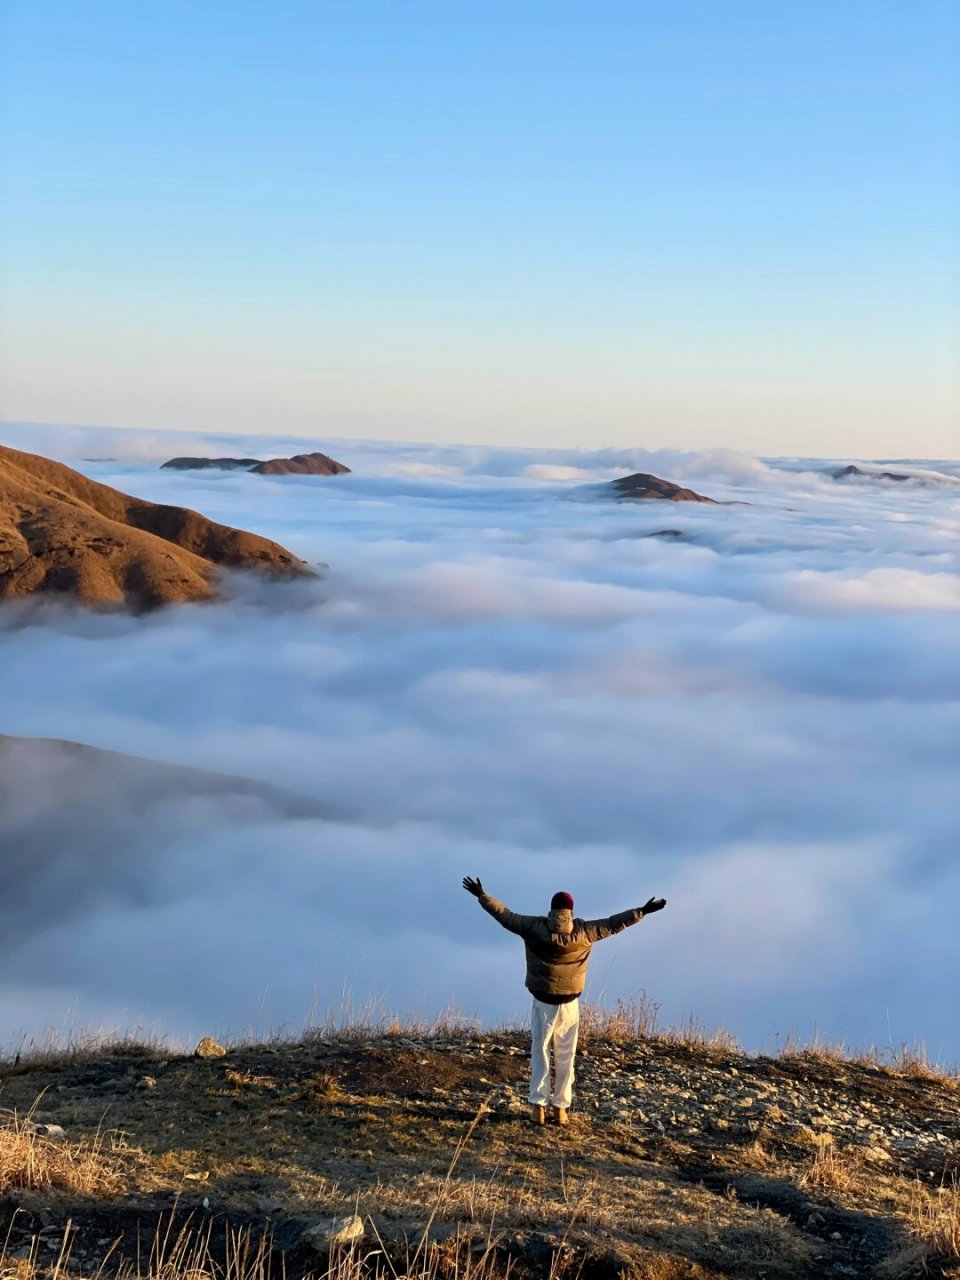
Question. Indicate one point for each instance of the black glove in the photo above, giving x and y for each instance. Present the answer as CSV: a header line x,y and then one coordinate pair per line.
x,y
654,904
473,886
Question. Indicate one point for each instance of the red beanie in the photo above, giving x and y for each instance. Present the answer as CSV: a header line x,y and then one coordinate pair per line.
x,y
561,901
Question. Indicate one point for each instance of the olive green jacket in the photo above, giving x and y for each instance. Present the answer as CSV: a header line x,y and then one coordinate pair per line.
x,y
558,946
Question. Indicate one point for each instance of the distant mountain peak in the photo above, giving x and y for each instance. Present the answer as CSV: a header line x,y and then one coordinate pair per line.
x,y
640,485
300,464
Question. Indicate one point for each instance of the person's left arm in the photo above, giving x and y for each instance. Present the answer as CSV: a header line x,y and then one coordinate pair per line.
x,y
597,930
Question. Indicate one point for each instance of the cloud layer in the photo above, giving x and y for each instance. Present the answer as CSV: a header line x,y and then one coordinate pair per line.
x,y
757,716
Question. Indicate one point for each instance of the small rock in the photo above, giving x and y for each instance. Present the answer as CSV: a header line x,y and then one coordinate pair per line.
x,y
267,1206
334,1232
877,1155
52,1131
208,1048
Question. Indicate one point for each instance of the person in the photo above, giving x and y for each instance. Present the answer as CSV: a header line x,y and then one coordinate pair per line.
x,y
558,953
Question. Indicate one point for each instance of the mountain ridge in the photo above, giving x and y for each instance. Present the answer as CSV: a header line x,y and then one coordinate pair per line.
x,y
63,533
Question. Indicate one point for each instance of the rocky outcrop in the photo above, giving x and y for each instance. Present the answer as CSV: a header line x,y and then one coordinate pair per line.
x,y
640,485
845,473
63,533
208,1048
301,464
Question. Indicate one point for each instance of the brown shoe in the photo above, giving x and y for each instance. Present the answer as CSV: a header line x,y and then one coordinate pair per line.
x,y
561,1116
539,1114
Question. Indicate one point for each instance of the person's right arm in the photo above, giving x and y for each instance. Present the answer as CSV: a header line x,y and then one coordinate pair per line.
x,y
510,920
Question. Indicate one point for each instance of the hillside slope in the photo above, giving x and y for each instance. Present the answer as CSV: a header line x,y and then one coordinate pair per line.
x,y
80,826
82,784
60,532
680,1161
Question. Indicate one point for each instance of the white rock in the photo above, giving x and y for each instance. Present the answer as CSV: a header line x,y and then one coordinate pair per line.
x,y
52,1131
334,1232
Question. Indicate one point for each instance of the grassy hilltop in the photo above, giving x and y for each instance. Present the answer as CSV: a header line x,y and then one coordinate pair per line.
x,y
409,1154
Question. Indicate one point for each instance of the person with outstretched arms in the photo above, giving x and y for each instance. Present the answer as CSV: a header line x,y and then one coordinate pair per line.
x,y
558,952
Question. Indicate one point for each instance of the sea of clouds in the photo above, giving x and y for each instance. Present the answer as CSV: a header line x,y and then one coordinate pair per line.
x,y
501,673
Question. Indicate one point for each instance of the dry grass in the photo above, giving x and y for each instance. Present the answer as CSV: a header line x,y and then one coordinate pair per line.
x,y
831,1170
30,1161
375,1019
639,1019
192,1253
821,1050
324,1088
54,1051
934,1218
187,1255
627,1020
694,1035
624,1022
903,1060
913,1060
755,1155
931,1214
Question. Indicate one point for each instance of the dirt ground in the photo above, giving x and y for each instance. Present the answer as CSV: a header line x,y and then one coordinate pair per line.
x,y
679,1161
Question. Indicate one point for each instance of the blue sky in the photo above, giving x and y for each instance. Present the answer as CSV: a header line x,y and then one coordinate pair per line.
x,y
695,224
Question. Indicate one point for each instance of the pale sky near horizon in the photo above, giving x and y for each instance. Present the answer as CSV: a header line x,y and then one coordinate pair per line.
x,y
567,223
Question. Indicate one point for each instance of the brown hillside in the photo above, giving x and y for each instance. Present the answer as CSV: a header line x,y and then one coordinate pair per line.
x,y
682,1162
302,464
60,532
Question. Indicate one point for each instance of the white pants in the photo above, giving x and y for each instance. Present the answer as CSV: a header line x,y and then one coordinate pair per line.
x,y
556,1024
